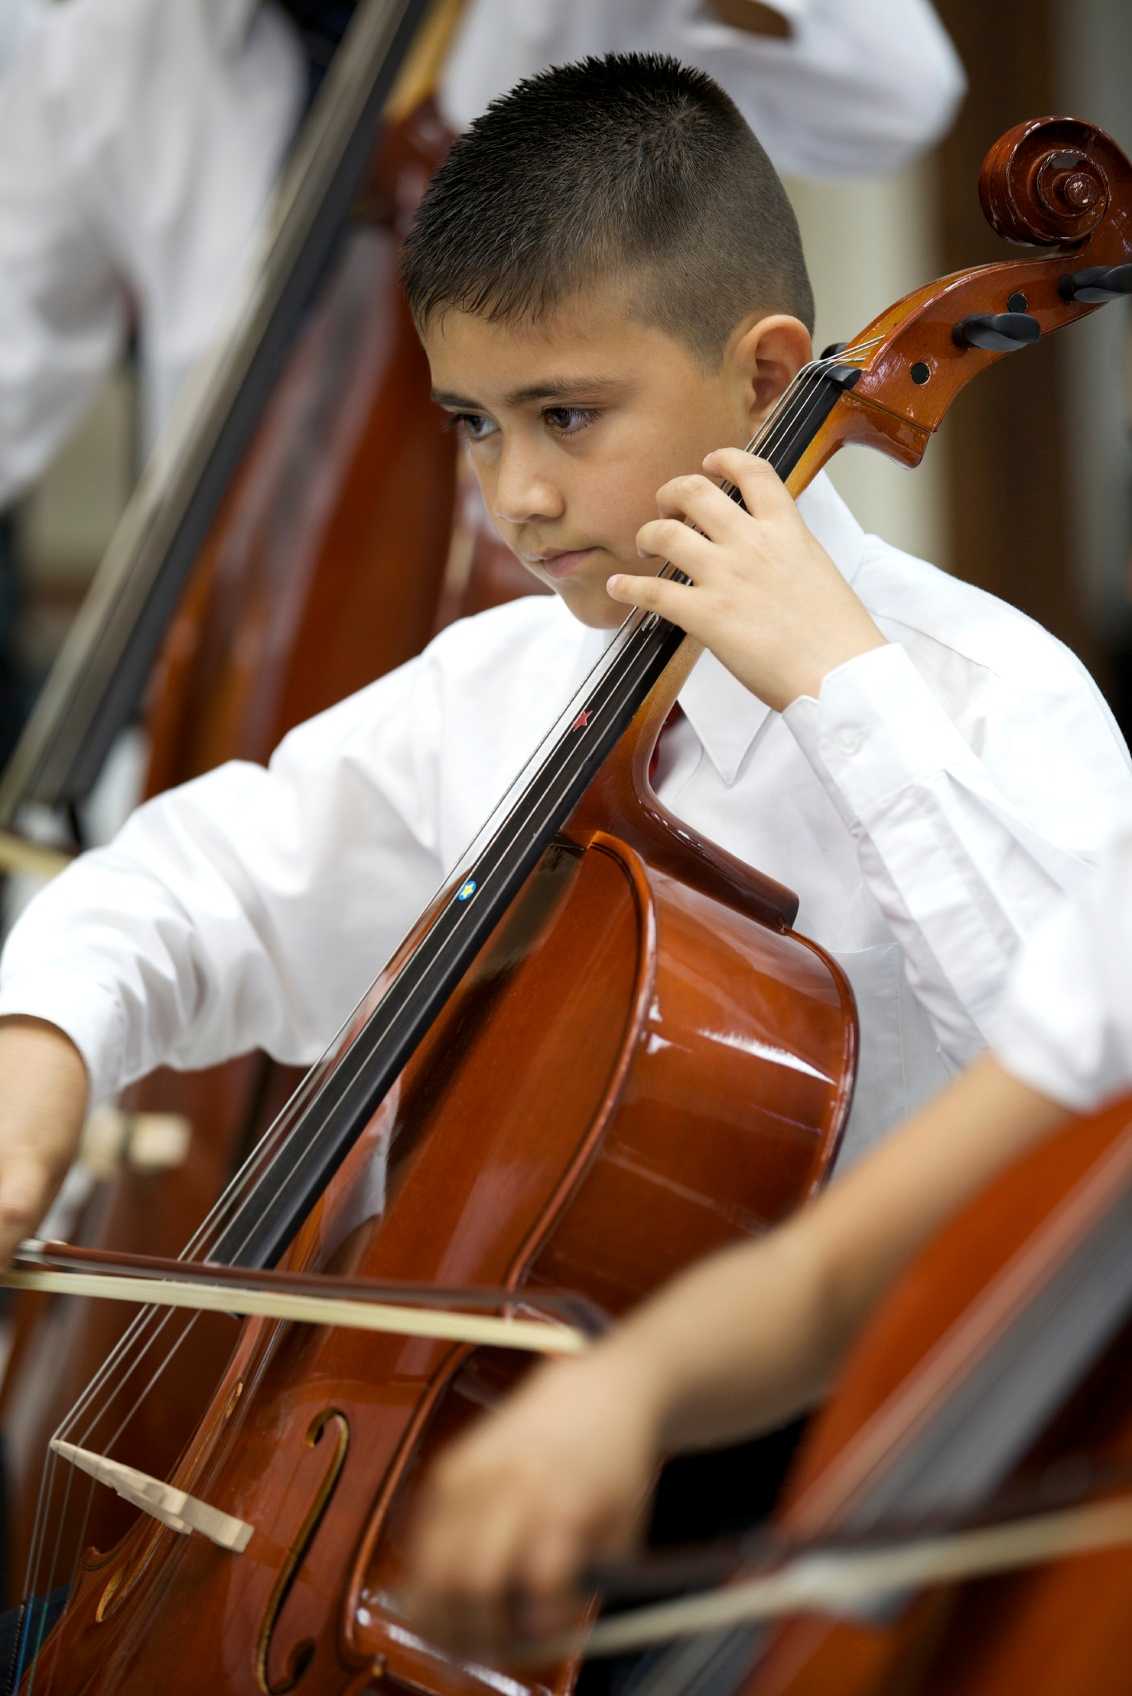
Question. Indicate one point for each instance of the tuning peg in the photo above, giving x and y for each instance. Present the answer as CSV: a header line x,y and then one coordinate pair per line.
x,y
1097,283
1001,332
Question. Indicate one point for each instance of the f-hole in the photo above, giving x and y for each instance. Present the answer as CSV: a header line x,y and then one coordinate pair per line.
x,y
302,1654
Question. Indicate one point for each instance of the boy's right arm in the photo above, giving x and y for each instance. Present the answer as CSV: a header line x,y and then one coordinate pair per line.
x,y
43,1102
250,908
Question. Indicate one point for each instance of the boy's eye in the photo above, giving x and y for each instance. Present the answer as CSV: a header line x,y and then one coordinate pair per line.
x,y
474,425
568,420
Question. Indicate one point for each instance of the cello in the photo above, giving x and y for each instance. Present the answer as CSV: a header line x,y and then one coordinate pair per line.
x,y
580,875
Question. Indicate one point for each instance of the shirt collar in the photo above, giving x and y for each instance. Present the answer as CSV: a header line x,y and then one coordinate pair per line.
x,y
724,714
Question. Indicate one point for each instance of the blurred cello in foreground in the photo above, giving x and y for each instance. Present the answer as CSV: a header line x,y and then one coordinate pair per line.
x,y
998,1366
960,1519
319,549
701,1038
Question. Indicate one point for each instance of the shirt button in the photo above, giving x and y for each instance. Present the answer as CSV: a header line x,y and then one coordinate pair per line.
x,y
850,739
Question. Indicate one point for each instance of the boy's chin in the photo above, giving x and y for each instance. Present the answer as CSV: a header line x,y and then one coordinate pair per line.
x,y
592,606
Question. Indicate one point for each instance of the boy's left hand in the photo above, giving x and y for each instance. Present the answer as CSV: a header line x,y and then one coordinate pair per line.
x,y
765,596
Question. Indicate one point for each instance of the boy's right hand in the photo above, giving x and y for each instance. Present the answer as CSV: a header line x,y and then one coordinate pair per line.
x,y
43,1103
509,1517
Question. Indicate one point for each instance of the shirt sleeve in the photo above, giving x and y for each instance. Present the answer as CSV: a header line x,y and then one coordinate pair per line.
x,y
1064,1025
62,308
139,144
856,90
249,908
966,836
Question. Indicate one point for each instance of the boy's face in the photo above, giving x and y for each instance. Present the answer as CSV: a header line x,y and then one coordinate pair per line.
x,y
574,423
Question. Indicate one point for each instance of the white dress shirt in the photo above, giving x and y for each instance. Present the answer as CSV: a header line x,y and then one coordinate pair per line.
x,y
928,809
1064,1025
140,141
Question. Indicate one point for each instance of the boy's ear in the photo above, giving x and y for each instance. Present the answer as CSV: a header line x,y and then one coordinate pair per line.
x,y
768,355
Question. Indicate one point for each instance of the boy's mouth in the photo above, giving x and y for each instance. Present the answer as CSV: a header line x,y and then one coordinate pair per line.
x,y
559,563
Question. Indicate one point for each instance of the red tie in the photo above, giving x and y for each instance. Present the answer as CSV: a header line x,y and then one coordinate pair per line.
x,y
654,758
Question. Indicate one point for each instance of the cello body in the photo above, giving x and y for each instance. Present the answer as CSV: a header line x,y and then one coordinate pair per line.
x,y
1058,1628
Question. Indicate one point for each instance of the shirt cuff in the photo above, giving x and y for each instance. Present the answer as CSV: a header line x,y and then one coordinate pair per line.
x,y
876,727
87,1013
1062,1026
1028,1056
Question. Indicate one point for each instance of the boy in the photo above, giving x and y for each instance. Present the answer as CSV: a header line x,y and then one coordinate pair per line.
x,y
558,1476
609,286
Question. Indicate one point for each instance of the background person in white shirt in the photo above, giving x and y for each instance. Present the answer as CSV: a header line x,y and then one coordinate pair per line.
x,y
559,1476
926,766
15,17
139,144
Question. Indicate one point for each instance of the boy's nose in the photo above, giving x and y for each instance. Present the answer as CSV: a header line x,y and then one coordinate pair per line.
x,y
523,495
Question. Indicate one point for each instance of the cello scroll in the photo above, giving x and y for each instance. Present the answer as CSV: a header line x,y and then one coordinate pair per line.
x,y
1051,182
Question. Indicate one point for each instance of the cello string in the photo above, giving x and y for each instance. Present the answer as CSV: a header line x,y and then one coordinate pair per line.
x,y
54,1462
131,1336
156,1321
775,427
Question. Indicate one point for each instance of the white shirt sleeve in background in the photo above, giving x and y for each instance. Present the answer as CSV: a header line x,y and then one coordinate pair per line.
x,y
1064,1025
859,87
16,16
140,141
139,145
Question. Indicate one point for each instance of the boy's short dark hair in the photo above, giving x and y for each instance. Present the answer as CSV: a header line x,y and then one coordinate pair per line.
x,y
630,165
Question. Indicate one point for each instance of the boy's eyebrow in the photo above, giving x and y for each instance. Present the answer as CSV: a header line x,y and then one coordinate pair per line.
x,y
550,388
